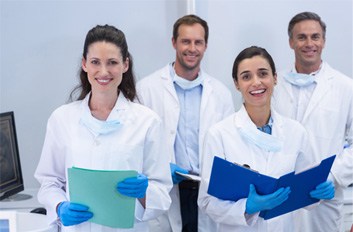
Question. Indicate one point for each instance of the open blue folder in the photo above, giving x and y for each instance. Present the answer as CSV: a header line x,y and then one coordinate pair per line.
x,y
231,181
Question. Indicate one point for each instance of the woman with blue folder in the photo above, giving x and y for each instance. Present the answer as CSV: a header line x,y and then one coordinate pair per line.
x,y
104,129
257,137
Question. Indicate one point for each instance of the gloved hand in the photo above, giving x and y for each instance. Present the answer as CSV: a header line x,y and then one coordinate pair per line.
x,y
134,186
324,191
72,213
256,203
175,177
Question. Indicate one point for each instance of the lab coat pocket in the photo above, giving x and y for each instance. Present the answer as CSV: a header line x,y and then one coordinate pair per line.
x,y
123,156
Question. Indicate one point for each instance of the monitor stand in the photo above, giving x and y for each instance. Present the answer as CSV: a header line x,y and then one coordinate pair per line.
x,y
17,197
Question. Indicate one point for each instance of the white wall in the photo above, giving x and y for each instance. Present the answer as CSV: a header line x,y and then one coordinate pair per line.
x,y
41,44
237,24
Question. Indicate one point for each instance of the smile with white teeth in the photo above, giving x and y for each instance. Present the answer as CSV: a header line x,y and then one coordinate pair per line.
x,y
258,91
103,80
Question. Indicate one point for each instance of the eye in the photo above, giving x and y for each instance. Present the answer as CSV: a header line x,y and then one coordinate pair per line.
x,y
263,74
316,37
94,62
112,62
245,77
185,42
301,37
199,42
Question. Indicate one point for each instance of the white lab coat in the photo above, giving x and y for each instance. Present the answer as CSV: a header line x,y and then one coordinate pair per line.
x,y
157,92
136,145
224,140
328,120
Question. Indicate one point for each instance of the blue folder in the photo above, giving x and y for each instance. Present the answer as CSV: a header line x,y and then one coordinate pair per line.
x,y
231,181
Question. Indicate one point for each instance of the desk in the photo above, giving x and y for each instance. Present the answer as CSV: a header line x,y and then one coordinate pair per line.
x,y
14,221
24,205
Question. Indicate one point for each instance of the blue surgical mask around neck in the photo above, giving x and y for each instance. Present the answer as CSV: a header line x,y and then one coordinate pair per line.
x,y
186,84
98,126
299,79
265,141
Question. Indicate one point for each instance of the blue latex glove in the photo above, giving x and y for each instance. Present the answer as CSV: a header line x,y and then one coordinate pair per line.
x,y
134,186
256,203
175,177
72,213
324,191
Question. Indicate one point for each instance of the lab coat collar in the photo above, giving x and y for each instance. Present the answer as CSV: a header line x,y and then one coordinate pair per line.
x,y
119,112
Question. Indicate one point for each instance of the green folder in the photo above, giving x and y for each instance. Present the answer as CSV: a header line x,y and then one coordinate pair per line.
x,y
97,190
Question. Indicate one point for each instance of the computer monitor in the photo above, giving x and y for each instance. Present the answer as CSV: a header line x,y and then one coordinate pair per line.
x,y
11,181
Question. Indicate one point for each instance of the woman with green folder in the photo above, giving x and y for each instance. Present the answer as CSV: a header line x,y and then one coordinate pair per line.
x,y
104,130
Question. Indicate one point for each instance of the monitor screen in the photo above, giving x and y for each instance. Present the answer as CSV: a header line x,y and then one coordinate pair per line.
x,y
11,181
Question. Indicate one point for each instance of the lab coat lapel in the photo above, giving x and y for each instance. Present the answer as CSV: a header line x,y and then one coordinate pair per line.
x,y
323,85
206,93
283,96
168,84
204,112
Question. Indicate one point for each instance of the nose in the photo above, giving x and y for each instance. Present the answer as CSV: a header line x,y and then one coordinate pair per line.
x,y
309,42
192,47
256,80
104,70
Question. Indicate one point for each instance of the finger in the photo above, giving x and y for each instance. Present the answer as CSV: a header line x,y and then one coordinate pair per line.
x,y
133,180
324,185
126,190
279,196
133,185
283,196
78,207
252,189
78,215
274,194
327,193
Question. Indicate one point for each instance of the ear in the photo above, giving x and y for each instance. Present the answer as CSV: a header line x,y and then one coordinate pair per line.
x,y
126,65
291,43
174,43
236,85
275,78
83,64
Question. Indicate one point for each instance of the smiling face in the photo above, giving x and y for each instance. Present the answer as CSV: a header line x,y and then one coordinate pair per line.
x,y
255,81
190,47
307,41
104,66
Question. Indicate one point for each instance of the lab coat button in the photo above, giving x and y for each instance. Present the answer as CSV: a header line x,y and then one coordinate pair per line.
x,y
172,132
97,142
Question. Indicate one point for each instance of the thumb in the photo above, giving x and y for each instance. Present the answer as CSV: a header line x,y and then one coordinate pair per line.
x,y
252,189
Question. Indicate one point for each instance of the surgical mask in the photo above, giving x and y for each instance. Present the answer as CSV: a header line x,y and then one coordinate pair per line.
x,y
265,141
186,84
299,79
98,126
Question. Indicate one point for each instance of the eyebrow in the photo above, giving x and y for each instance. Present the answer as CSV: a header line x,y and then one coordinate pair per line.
x,y
246,71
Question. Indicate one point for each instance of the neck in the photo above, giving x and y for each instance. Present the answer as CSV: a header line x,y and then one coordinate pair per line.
x,y
188,74
307,69
259,115
101,105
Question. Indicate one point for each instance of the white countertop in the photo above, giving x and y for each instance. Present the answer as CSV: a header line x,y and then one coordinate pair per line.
x,y
23,205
